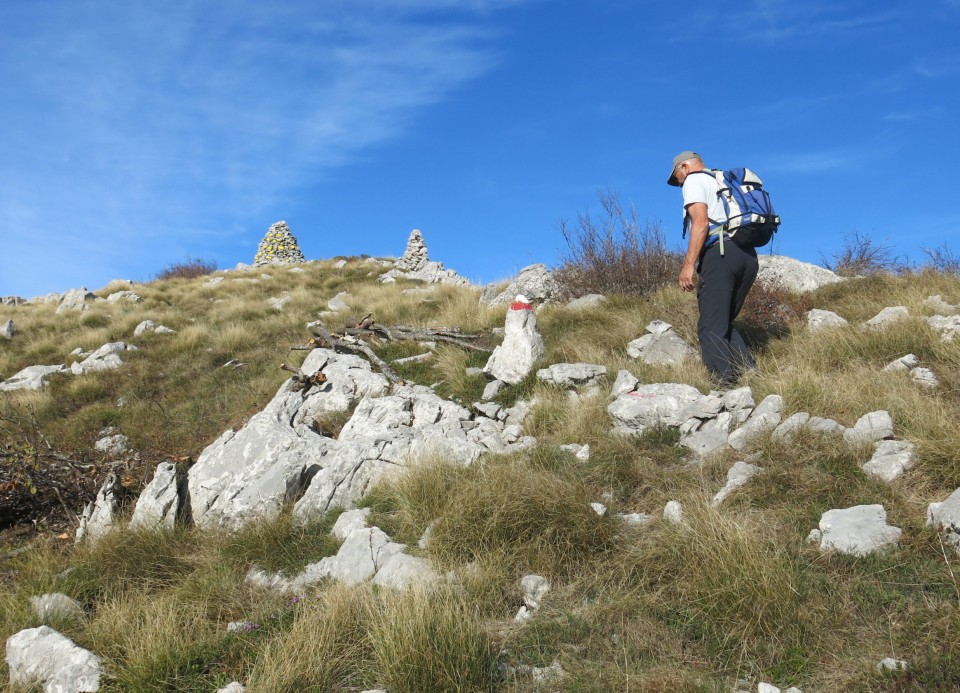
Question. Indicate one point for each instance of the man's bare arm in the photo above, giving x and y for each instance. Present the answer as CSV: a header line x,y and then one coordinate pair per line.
x,y
699,226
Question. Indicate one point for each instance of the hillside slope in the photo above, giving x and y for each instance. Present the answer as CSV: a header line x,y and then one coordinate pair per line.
x,y
733,593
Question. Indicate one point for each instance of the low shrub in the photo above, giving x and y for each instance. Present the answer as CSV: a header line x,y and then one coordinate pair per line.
x,y
187,269
861,255
614,253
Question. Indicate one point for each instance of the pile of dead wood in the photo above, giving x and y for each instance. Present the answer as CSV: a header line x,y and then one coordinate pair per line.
x,y
357,336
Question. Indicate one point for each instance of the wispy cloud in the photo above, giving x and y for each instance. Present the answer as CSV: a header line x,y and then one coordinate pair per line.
x,y
132,124
809,162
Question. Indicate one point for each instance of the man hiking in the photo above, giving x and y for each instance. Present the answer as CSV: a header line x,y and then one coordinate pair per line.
x,y
727,270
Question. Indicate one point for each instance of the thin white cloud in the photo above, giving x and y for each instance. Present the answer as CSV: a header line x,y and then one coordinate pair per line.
x,y
131,124
809,162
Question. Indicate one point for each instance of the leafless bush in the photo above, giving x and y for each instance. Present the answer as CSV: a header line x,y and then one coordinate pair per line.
x,y
188,269
942,259
861,255
614,254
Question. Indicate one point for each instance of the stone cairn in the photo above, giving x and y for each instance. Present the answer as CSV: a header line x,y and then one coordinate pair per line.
x,y
279,246
415,256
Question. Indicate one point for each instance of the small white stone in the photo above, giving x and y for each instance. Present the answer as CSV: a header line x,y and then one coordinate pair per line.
x,y
891,664
673,513
599,508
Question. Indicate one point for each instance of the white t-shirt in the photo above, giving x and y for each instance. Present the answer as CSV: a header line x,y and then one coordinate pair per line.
x,y
700,187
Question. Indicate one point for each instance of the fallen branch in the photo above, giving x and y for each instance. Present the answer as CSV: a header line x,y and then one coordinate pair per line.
x,y
302,381
335,344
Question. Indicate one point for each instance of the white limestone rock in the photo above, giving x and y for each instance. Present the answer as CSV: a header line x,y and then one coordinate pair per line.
x,y
938,305
278,303
858,531
947,326
6,330
55,606
533,589
97,518
599,508
581,452
31,378
522,347
946,517
106,358
673,513
704,438
636,519
766,417
76,299
402,572
661,404
871,427
625,382
572,375
891,664
904,363
924,377
42,656
338,302
350,520
128,296
818,319
588,302
159,502
534,281
738,476
232,687
661,346
887,317
793,275
789,426
114,445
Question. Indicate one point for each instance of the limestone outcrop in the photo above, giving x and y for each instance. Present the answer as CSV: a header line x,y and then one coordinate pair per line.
x,y
416,265
535,282
793,275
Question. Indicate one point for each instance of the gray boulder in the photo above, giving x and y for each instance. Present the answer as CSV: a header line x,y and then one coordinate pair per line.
x,y
766,417
105,358
76,299
793,275
937,304
31,378
661,346
946,517
55,606
887,317
870,428
858,531
534,281
159,502
338,302
42,656
738,475
947,326
572,375
789,426
588,302
522,347
97,518
12,300
625,382
924,377
904,363
350,520
891,458
661,404
6,330
128,296
402,571
818,319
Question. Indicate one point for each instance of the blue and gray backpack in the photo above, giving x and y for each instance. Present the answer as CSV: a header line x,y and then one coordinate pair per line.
x,y
751,220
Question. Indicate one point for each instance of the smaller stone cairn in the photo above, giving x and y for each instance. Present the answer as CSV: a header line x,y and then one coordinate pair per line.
x,y
414,257
278,247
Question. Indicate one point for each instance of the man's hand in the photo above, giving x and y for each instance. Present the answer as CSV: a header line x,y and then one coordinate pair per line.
x,y
687,282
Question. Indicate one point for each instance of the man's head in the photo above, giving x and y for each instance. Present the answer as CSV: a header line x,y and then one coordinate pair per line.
x,y
684,163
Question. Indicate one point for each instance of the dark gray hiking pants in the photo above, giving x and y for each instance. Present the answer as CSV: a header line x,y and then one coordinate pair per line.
x,y
724,283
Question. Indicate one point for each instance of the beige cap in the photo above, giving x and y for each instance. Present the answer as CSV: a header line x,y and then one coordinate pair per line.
x,y
677,160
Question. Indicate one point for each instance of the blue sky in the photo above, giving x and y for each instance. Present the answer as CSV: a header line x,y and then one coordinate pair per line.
x,y
138,134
